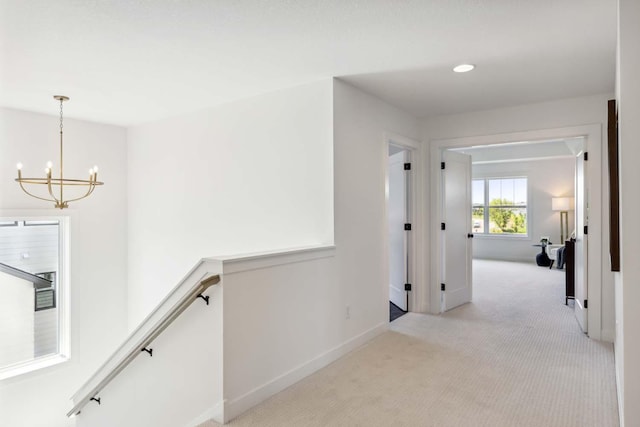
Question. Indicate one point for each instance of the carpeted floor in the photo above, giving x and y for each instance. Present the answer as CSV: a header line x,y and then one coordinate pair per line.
x,y
513,357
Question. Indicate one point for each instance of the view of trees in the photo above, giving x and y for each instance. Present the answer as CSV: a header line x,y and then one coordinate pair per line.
x,y
506,219
504,200
503,217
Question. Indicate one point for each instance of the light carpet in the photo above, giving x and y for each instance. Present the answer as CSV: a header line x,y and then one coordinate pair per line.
x,y
514,357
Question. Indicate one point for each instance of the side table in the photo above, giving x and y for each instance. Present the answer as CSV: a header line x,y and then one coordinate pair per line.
x,y
542,259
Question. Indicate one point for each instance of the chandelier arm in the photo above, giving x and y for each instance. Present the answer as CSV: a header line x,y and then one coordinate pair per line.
x,y
51,189
33,195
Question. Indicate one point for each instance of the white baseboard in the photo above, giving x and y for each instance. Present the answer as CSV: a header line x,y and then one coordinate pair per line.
x,y
619,391
608,335
236,406
216,414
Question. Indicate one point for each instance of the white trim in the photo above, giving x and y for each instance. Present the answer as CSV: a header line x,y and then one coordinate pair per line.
x,y
215,413
63,290
401,141
526,159
32,365
593,142
619,385
244,262
608,335
238,405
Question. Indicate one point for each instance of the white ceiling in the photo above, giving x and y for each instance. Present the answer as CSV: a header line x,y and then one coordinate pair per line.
x,y
131,61
523,151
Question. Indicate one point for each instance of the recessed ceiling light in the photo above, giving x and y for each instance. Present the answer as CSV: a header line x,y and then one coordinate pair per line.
x,y
463,68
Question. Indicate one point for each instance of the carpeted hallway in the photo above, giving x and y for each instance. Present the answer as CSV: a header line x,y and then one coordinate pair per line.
x,y
513,357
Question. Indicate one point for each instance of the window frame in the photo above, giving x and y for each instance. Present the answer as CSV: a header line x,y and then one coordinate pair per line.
x,y
62,299
486,206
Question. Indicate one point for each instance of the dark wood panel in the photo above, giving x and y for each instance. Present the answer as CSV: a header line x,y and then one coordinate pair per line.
x,y
570,268
614,187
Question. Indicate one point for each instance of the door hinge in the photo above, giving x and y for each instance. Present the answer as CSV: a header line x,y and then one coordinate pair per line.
x,y
407,227
586,229
586,156
586,303
407,286
442,286
441,165
442,226
407,166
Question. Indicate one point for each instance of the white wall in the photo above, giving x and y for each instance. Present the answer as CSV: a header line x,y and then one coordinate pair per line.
x,y
282,321
274,318
361,152
16,320
98,254
262,357
180,381
547,115
627,289
248,176
546,179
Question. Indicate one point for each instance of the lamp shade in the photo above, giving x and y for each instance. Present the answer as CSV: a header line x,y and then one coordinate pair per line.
x,y
562,203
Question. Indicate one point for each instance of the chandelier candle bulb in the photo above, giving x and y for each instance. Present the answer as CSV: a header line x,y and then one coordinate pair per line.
x,y
19,166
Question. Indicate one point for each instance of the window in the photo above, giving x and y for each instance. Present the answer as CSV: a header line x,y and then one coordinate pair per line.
x,y
33,294
499,206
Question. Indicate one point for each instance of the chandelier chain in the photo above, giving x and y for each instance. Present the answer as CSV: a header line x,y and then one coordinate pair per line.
x,y
61,115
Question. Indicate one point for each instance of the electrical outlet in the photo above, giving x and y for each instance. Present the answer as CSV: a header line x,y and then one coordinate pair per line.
x,y
348,312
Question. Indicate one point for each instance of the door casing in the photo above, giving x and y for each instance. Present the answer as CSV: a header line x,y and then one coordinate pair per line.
x,y
593,142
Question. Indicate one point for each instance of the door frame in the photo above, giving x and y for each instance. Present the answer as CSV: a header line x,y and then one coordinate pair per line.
x,y
593,143
415,245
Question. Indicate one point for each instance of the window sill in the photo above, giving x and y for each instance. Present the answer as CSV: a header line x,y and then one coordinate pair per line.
x,y
500,237
32,365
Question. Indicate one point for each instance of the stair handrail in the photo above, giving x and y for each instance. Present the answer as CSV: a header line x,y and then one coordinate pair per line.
x,y
38,281
142,344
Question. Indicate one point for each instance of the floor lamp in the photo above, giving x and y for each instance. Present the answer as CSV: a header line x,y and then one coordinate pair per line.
x,y
563,205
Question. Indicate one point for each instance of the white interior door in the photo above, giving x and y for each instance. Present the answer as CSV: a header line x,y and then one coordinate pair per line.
x,y
582,220
457,235
397,216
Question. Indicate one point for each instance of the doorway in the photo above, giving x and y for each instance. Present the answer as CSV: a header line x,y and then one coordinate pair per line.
x,y
398,213
584,139
401,205
501,198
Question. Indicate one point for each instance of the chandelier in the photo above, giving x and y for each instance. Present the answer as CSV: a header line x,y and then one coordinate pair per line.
x,y
57,187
